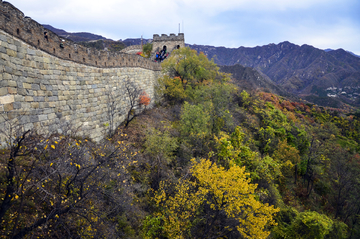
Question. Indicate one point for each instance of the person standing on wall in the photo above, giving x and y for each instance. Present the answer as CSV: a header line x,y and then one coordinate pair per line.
x,y
163,54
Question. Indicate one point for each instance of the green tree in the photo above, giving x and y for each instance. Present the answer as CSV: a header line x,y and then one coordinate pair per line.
x,y
192,68
187,69
310,225
147,48
233,150
195,120
219,94
160,146
195,126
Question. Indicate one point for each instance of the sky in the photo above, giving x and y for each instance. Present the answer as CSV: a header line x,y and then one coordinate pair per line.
x,y
323,24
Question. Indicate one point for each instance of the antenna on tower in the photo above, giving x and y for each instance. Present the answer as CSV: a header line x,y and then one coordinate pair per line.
x,y
179,27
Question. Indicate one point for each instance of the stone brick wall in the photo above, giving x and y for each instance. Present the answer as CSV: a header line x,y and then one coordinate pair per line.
x,y
132,49
39,90
46,86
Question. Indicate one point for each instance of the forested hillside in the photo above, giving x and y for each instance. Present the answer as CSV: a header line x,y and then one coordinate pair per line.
x,y
211,160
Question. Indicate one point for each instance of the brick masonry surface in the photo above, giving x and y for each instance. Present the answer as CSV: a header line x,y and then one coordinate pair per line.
x,y
44,92
48,82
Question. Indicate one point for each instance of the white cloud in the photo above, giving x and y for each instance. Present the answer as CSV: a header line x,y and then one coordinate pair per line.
x,y
214,7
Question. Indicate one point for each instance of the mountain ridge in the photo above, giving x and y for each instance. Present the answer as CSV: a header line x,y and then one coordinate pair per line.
x,y
86,36
302,70
75,36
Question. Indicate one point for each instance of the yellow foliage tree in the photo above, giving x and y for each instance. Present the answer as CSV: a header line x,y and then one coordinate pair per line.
x,y
215,191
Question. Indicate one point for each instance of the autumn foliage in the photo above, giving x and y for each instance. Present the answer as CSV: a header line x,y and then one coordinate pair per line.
x,y
215,162
218,191
144,99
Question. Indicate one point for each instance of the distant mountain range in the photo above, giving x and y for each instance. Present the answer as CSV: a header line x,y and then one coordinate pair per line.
x,y
306,71
328,49
85,36
77,36
326,77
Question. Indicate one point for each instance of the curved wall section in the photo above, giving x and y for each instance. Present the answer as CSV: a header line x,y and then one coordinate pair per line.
x,y
39,90
47,82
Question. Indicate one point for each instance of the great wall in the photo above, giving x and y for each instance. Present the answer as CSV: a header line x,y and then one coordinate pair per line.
x,y
47,82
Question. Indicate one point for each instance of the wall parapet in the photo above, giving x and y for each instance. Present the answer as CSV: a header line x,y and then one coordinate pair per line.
x,y
133,48
171,37
15,23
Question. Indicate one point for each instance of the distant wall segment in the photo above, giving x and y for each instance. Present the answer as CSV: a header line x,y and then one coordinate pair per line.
x,y
132,49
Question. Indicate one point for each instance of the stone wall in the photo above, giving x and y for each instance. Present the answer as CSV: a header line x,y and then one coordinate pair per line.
x,y
48,82
132,49
39,90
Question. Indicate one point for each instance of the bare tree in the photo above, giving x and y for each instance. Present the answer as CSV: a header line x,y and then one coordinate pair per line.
x,y
133,92
113,95
60,185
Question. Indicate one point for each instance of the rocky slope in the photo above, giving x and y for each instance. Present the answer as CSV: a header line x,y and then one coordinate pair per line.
x,y
250,79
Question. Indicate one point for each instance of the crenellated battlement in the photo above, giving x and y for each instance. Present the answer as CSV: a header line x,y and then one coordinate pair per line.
x,y
14,22
171,37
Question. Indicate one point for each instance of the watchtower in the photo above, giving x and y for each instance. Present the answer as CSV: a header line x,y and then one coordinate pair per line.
x,y
171,42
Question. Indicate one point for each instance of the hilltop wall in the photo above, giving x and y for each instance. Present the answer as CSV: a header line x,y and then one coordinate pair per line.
x,y
44,86
171,42
132,49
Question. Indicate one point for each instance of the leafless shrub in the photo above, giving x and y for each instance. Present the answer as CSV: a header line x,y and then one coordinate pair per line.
x,y
63,186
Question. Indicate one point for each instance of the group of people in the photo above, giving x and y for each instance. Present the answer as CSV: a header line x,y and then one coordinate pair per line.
x,y
160,56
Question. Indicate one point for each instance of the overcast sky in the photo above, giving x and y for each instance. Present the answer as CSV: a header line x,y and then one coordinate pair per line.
x,y
231,23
